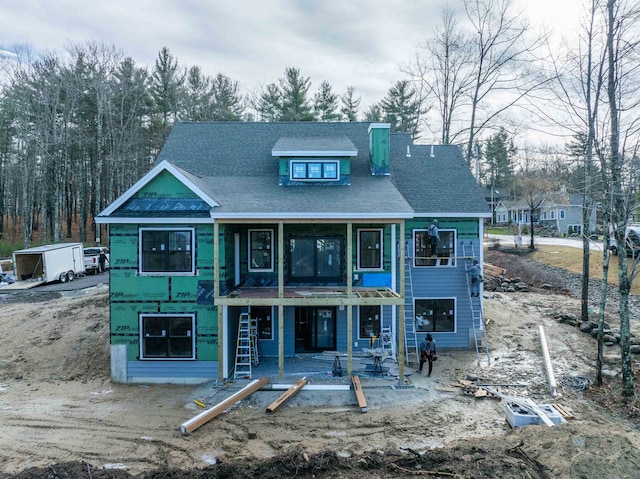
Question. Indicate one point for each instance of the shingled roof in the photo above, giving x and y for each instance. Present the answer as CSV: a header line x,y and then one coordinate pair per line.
x,y
233,162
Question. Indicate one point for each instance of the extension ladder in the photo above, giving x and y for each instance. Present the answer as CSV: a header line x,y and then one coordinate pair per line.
x,y
410,338
477,316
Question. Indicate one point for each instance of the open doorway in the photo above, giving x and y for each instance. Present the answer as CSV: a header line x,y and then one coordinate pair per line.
x,y
315,329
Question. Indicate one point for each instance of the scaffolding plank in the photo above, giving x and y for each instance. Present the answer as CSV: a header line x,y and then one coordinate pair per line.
x,y
288,394
362,401
206,416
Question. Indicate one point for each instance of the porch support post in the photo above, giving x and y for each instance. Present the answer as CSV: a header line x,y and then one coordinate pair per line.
x,y
280,298
401,272
216,297
349,266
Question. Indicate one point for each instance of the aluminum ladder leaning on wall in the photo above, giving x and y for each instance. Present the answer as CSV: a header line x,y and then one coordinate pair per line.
x,y
477,315
243,349
410,338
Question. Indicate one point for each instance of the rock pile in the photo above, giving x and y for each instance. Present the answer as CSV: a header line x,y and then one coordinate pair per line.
x,y
505,285
611,336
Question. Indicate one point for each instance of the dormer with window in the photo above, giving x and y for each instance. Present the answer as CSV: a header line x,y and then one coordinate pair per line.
x,y
307,160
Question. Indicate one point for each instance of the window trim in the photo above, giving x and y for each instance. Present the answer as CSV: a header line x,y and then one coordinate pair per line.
x,y
271,245
439,298
380,308
451,260
306,163
192,245
359,266
141,317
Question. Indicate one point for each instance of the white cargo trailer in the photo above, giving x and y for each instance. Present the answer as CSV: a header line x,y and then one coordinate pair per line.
x,y
45,264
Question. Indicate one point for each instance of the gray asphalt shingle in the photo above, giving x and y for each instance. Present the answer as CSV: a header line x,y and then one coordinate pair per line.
x,y
233,163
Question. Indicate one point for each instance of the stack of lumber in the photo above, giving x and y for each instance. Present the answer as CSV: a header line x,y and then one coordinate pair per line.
x,y
493,271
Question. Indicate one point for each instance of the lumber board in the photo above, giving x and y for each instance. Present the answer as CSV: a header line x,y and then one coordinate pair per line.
x,y
565,411
491,270
206,416
288,394
362,401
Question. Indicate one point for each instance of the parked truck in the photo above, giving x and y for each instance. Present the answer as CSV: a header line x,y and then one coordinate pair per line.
x,y
56,262
92,263
631,238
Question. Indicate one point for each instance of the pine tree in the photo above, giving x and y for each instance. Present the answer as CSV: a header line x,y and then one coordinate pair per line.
x,y
325,103
350,104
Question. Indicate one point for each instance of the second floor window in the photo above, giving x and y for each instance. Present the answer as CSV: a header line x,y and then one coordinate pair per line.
x,y
315,259
260,250
167,250
444,254
370,249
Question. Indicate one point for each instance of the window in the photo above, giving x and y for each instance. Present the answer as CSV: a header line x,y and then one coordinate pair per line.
x,y
544,215
553,214
561,214
260,250
264,316
370,248
435,315
370,319
314,170
167,250
167,337
315,259
445,254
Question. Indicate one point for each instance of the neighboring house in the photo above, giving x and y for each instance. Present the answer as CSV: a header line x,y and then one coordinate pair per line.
x,y
493,196
299,224
561,212
515,212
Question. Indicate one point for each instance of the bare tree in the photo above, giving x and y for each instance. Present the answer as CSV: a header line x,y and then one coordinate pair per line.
x,y
622,63
533,189
476,72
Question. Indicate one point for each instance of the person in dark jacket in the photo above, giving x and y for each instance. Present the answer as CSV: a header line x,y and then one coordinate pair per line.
x,y
427,352
102,261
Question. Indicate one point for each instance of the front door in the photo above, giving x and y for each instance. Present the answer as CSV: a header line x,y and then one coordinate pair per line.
x,y
315,329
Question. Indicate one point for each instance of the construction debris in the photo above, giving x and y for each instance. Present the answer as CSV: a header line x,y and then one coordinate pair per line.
x,y
362,401
547,362
493,271
206,416
288,394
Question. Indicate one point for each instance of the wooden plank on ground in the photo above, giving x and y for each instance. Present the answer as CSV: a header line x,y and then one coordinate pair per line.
x,y
362,401
206,416
565,411
288,394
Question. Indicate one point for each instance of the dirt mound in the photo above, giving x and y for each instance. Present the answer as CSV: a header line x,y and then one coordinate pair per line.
x,y
58,404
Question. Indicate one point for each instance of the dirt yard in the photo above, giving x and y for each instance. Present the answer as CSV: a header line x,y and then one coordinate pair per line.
x,y
62,417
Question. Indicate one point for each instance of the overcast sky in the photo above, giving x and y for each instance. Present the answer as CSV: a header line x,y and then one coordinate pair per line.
x,y
347,42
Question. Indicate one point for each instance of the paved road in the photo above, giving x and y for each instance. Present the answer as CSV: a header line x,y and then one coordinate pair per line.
x,y
507,240
81,282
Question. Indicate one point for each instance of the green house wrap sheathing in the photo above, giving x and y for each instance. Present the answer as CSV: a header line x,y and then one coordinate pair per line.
x,y
132,294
